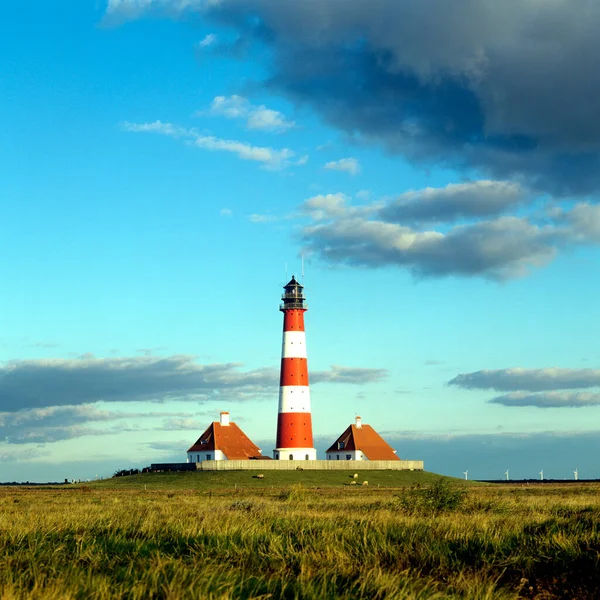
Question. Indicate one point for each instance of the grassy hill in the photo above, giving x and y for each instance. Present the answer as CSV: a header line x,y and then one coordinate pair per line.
x,y
211,480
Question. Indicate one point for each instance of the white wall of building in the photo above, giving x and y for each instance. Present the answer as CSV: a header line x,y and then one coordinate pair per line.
x,y
295,454
199,456
346,455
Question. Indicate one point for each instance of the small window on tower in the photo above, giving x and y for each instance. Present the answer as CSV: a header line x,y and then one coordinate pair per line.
x,y
341,445
209,457
348,456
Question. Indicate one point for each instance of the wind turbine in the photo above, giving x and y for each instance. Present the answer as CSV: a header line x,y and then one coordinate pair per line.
x,y
576,473
466,474
542,475
506,474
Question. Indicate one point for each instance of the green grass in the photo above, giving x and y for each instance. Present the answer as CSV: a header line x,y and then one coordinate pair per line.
x,y
198,480
115,539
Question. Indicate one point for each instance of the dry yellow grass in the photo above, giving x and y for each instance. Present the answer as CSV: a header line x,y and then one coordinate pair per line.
x,y
294,542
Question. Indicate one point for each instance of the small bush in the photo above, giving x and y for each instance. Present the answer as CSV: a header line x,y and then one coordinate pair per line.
x,y
242,505
294,493
439,497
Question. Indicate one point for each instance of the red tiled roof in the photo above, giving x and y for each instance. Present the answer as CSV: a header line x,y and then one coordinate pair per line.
x,y
229,439
365,439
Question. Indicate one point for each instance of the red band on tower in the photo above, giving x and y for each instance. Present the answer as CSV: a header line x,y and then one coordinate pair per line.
x,y
293,319
294,430
294,371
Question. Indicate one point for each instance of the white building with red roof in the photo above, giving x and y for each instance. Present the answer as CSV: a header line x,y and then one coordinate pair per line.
x,y
360,442
223,440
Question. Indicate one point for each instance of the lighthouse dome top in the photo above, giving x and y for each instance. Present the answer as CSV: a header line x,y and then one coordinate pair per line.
x,y
293,283
293,297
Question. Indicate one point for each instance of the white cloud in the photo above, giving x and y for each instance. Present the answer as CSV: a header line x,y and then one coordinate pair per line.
x,y
256,218
328,145
226,212
158,127
257,117
207,41
347,165
231,107
270,158
325,206
271,120
131,9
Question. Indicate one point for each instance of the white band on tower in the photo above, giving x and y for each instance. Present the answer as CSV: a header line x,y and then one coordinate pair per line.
x,y
294,398
294,344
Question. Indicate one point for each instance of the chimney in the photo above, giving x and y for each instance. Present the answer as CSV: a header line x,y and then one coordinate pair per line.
x,y
358,422
225,419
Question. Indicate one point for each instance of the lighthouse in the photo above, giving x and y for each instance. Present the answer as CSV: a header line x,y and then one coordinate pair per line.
x,y
294,421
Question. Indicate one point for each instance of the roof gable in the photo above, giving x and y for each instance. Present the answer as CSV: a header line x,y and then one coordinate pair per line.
x,y
205,442
347,439
365,439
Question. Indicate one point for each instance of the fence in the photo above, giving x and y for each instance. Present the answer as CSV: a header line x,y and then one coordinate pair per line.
x,y
310,465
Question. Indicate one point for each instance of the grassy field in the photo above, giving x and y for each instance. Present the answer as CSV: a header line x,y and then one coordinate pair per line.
x,y
199,480
208,535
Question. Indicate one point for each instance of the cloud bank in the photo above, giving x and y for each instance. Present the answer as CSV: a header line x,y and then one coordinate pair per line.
x,y
417,231
455,201
508,88
541,388
532,380
56,423
27,384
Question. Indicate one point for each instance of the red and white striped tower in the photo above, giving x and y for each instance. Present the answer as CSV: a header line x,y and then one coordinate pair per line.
x,y
294,422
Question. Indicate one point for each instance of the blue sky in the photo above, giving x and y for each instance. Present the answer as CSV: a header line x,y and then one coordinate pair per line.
x,y
166,163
